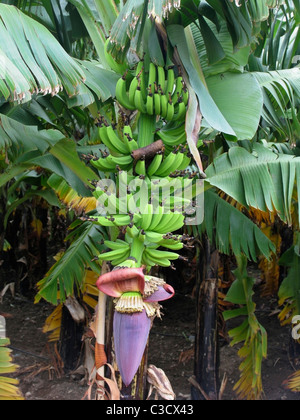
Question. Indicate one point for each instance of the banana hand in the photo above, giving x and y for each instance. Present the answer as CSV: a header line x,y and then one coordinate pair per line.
x,y
122,95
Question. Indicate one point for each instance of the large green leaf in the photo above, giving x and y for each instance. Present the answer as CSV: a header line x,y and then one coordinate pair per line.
x,y
190,60
281,95
90,18
128,29
27,147
20,139
32,60
262,179
232,60
224,224
69,270
99,83
239,97
54,165
65,151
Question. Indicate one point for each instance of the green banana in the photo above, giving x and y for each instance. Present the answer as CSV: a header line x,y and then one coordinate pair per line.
x,y
98,193
122,95
156,218
163,106
122,220
152,75
106,141
161,78
186,161
132,89
157,103
116,141
147,217
165,224
119,244
154,262
147,262
104,165
185,95
172,246
127,131
103,221
171,82
163,262
181,111
140,167
142,79
174,130
123,162
172,140
157,255
121,259
138,80
153,237
132,231
128,264
113,255
155,164
167,165
170,111
171,222
139,101
128,139
178,89
150,104
178,161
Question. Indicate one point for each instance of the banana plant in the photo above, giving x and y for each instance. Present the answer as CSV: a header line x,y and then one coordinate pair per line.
x,y
250,332
177,67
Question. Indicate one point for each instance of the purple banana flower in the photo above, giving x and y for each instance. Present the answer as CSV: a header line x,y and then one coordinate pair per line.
x,y
131,333
133,316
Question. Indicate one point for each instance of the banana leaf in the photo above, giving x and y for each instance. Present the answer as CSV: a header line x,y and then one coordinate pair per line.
x,y
32,60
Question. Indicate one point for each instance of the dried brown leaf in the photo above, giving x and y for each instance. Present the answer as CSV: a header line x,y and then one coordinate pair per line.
x,y
160,383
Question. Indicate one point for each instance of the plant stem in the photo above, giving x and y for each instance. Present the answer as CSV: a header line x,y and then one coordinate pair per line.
x,y
146,130
100,329
206,346
137,250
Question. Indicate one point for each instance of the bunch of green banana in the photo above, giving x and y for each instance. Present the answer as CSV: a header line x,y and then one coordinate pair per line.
x,y
173,136
178,160
155,257
171,242
153,92
159,220
116,144
110,163
161,93
120,251
118,220
162,165
120,148
148,254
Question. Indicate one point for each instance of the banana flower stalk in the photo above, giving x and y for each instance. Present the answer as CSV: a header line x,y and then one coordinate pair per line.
x,y
136,305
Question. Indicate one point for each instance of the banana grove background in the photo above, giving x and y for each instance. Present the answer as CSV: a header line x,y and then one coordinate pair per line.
x,y
62,64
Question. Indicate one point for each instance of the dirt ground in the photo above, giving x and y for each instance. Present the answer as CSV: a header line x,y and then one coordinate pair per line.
x,y
169,339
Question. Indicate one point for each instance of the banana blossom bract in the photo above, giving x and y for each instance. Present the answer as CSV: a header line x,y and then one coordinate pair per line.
x,y
136,305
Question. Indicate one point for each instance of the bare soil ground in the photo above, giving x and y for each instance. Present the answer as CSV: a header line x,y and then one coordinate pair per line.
x,y
171,341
